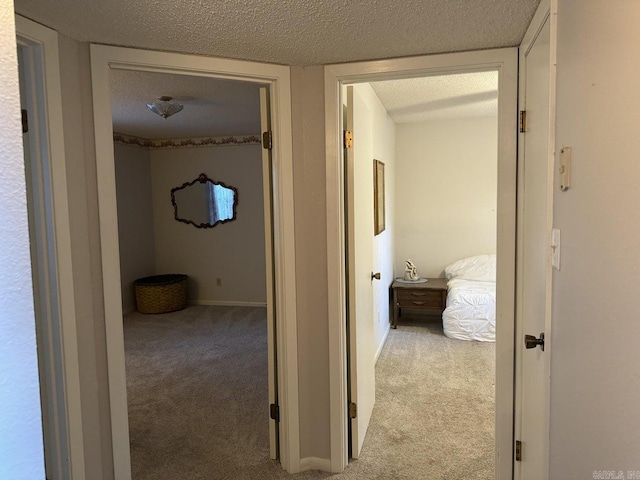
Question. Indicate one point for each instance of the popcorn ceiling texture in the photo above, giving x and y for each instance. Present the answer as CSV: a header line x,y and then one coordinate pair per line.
x,y
290,32
437,98
212,107
294,33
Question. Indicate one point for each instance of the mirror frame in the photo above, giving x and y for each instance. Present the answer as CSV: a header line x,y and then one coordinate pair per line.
x,y
203,178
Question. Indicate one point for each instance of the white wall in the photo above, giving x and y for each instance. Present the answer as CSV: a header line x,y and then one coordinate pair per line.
x,y
307,111
234,251
135,218
446,192
383,139
595,358
21,448
82,183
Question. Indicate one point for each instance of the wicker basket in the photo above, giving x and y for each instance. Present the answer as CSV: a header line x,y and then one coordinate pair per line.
x,y
161,293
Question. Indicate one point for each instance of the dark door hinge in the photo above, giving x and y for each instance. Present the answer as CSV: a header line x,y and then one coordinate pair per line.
x,y
25,121
518,451
353,410
267,140
274,412
523,121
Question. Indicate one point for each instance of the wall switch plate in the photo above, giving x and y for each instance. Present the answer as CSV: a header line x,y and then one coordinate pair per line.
x,y
555,248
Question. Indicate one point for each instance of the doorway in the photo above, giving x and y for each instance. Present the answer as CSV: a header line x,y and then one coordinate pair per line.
x,y
505,63
190,201
50,238
104,59
437,138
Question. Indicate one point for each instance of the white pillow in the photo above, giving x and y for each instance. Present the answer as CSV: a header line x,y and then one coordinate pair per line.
x,y
481,268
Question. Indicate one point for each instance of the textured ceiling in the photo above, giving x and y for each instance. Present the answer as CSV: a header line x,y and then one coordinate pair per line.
x,y
442,97
212,107
290,32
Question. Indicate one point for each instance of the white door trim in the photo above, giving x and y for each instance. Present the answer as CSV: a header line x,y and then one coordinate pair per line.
x,y
505,62
103,58
267,187
46,40
547,9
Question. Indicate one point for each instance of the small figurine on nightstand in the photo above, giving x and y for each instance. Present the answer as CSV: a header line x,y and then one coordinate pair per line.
x,y
410,272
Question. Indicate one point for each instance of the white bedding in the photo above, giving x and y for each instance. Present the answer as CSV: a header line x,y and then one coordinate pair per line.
x,y
471,310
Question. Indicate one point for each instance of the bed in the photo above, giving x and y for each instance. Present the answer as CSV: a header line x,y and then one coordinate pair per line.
x,y
470,313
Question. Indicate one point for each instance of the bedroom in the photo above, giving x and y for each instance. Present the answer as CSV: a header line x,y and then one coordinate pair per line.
x,y
203,368
437,137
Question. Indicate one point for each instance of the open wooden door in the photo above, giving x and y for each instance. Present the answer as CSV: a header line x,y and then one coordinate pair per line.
x,y
359,251
534,262
267,182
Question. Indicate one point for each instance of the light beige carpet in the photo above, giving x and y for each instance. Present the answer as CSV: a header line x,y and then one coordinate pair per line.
x,y
197,386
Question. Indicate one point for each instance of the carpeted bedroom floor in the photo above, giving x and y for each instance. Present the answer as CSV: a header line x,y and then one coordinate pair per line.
x,y
197,388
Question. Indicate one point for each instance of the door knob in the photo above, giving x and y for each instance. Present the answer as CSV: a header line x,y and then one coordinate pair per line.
x,y
532,342
375,275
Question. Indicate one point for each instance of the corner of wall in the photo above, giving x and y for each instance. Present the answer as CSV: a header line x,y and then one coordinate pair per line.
x,y
307,91
79,140
315,463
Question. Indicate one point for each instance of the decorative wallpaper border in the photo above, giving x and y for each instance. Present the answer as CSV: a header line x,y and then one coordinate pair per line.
x,y
187,142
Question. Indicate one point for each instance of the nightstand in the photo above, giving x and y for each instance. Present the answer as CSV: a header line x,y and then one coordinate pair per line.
x,y
430,295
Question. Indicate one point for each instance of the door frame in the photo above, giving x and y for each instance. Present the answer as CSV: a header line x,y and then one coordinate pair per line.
x,y
104,58
267,194
547,10
60,335
505,62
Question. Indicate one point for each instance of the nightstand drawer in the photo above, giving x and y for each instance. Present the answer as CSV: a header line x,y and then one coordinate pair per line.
x,y
420,298
430,295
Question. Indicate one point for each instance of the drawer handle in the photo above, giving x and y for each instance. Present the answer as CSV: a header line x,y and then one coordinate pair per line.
x,y
418,303
416,294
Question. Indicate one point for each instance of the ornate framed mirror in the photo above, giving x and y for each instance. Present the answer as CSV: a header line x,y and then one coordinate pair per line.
x,y
204,203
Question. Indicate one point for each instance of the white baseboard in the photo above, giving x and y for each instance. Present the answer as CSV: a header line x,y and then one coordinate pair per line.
x,y
228,303
384,340
315,463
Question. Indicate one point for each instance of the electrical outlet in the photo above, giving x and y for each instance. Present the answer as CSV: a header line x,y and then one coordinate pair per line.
x,y
218,282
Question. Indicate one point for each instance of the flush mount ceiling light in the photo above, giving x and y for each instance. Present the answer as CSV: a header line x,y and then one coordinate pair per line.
x,y
165,107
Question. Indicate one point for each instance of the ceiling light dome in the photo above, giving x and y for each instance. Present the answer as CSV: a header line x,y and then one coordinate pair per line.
x,y
165,107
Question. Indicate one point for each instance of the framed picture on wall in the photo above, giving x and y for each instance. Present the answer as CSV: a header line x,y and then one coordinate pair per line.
x,y
378,197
